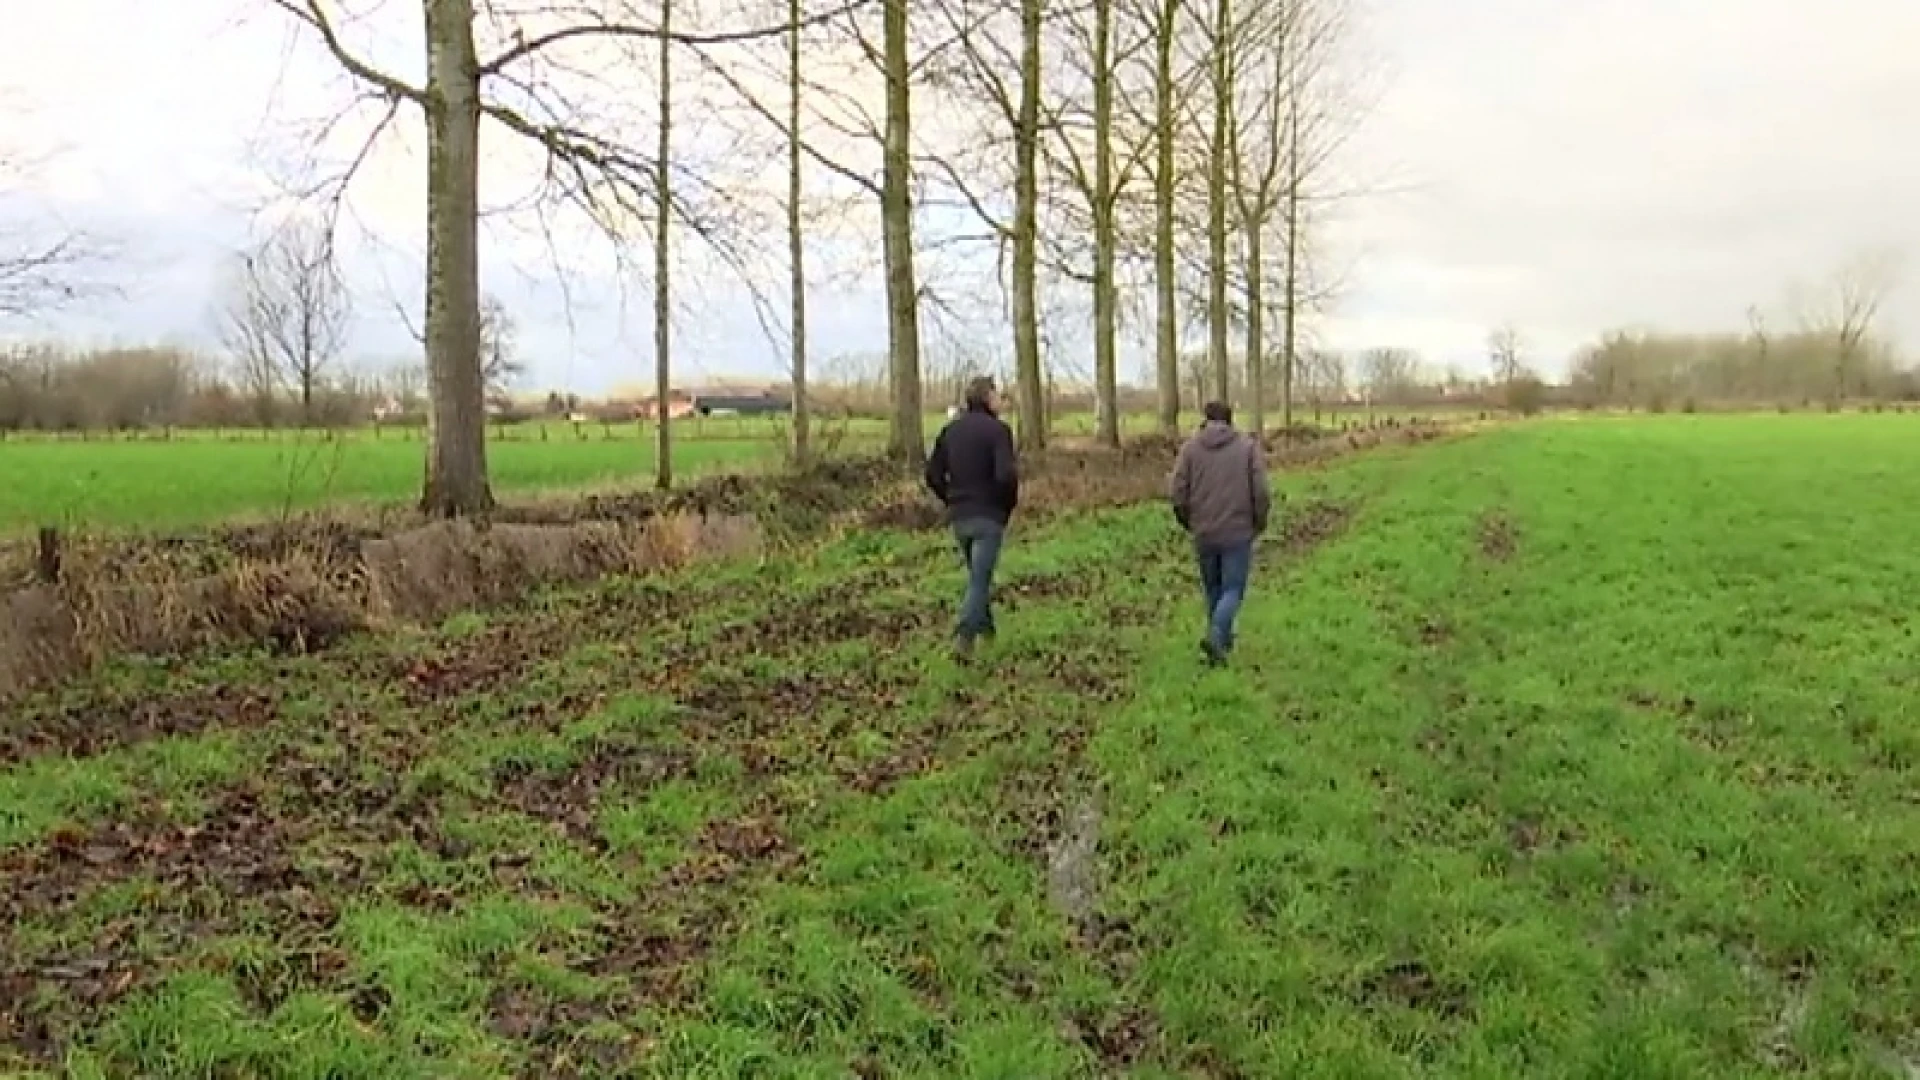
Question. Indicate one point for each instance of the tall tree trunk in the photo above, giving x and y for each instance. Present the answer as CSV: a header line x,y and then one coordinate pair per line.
x,y
1166,339
1026,240
456,468
662,265
907,438
1053,393
1105,369
1291,286
796,253
1217,204
306,391
1256,335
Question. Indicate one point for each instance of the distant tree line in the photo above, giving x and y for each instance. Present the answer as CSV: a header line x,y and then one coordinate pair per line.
x,y
44,388
1799,369
50,389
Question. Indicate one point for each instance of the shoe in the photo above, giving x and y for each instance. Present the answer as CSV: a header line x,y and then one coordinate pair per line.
x,y
962,649
1214,657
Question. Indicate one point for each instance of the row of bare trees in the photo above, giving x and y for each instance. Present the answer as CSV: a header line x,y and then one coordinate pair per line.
x,y
287,319
145,388
1098,143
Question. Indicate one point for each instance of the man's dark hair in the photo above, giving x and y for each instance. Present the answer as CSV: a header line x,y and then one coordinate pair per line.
x,y
979,390
1218,412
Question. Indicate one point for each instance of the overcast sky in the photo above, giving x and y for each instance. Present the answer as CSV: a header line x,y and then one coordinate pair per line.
x,y
1566,165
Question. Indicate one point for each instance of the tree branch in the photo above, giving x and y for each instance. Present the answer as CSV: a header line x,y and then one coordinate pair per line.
x,y
527,47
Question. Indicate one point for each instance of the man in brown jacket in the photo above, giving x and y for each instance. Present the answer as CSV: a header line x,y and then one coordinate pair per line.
x,y
1221,498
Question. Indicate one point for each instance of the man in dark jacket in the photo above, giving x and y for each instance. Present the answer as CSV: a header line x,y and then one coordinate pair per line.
x,y
1220,496
974,473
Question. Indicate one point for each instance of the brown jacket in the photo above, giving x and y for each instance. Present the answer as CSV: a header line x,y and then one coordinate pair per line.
x,y
1219,487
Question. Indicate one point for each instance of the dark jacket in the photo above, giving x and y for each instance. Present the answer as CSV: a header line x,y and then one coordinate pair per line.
x,y
1219,487
973,469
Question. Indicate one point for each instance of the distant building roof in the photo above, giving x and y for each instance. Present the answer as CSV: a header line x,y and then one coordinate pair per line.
x,y
763,402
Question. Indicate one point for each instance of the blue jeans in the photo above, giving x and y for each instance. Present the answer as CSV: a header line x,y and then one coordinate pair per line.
x,y
980,540
1224,569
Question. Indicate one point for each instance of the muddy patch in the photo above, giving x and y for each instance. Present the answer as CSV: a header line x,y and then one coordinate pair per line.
x,y
844,610
244,867
569,800
913,754
657,944
1410,984
1090,677
1530,833
1043,588
79,729
1433,631
732,705
1313,524
1497,536
274,856
473,664
1119,1036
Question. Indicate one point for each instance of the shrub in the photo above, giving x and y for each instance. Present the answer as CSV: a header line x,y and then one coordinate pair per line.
x,y
1526,395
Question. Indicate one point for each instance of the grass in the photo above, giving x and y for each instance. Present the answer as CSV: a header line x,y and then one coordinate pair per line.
x,y
198,480
1576,749
201,477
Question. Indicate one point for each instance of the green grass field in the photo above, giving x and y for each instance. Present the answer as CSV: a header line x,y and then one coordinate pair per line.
x,y
1572,749
198,480
200,477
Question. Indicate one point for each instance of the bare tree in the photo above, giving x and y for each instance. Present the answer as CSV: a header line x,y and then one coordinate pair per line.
x,y
796,248
1844,312
1103,196
405,382
1026,227
980,68
1218,153
1757,333
589,165
1326,105
1506,354
41,271
1262,133
1166,339
1391,375
500,362
842,112
663,264
1324,375
907,438
1098,150
1297,175
287,320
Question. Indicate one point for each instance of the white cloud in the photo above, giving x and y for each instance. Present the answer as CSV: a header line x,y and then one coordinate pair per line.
x,y
1566,166
1660,161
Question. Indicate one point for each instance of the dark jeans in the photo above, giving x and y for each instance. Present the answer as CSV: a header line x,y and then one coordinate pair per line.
x,y
980,539
1224,569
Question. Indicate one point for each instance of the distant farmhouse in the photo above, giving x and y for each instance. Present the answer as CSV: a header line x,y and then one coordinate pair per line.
x,y
764,403
726,402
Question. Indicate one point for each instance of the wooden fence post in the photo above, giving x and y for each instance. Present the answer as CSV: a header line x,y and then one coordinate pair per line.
x,y
49,561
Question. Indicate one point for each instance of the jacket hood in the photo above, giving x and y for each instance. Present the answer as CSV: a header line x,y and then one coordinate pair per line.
x,y
1215,436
